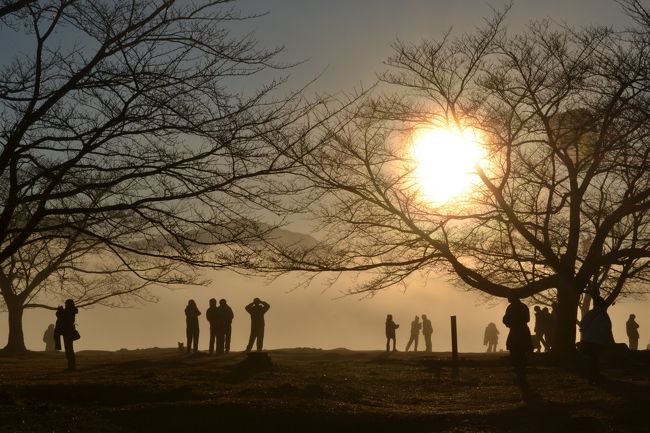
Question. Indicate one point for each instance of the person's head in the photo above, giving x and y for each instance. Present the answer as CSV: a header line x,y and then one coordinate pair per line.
x,y
424,317
222,302
632,316
599,302
537,309
191,303
389,317
512,298
545,309
417,319
213,302
256,301
69,303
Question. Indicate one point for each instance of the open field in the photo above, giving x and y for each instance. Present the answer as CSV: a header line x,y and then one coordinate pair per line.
x,y
306,390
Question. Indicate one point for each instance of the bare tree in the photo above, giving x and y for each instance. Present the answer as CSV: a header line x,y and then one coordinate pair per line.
x,y
125,152
561,206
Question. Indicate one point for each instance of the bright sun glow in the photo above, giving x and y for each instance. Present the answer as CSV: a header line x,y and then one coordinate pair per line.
x,y
446,160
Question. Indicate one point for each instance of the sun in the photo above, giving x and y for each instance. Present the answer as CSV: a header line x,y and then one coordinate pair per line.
x,y
445,162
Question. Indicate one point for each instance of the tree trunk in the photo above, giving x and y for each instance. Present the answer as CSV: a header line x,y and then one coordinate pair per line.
x,y
564,340
16,340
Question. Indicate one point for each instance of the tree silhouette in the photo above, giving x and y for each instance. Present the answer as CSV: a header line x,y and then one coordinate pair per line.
x,y
126,158
560,208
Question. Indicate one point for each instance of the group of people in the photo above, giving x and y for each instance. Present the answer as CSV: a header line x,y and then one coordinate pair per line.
x,y
220,319
544,328
595,330
416,326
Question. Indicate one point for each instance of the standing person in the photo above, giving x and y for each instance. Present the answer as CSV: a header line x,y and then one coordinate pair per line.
x,y
540,326
547,328
257,309
390,332
519,342
224,326
66,328
491,337
211,317
192,314
632,329
596,334
415,334
48,338
427,331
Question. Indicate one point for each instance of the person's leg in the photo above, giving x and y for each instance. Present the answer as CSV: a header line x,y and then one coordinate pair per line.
x,y
196,341
251,340
68,344
227,339
518,359
388,344
417,339
188,333
408,345
428,343
634,344
213,338
260,339
221,337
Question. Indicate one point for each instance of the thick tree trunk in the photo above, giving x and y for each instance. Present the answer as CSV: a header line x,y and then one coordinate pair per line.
x,y
16,340
564,340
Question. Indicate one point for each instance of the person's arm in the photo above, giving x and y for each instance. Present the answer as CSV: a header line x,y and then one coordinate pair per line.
x,y
265,305
249,307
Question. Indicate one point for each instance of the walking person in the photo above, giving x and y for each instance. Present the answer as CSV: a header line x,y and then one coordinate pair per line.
x,y
427,331
211,317
390,332
596,334
257,309
224,326
540,327
491,337
632,329
192,314
415,334
65,326
519,342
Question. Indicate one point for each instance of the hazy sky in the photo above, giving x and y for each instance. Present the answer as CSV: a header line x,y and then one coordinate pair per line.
x,y
347,41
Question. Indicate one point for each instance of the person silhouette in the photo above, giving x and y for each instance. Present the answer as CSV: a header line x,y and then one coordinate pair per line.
x,y
192,314
427,331
257,309
224,326
519,342
48,338
632,329
540,326
211,317
491,337
595,335
65,327
390,332
415,334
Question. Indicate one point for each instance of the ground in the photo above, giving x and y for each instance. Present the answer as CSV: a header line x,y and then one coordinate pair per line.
x,y
311,390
